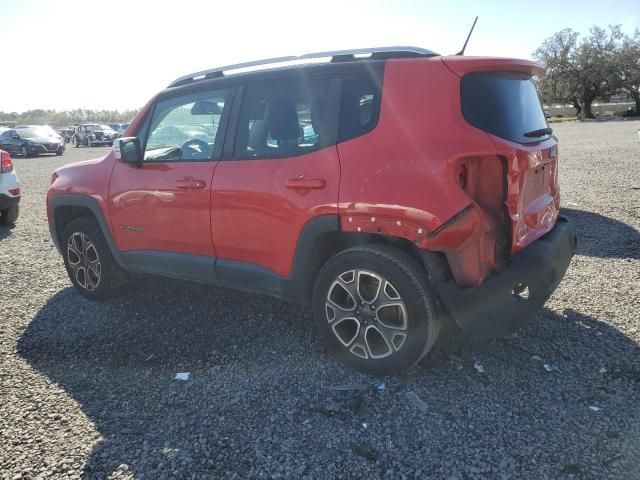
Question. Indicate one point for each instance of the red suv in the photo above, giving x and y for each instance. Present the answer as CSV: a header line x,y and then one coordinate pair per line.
x,y
390,189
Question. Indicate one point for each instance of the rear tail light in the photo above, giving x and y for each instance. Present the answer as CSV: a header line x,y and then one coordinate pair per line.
x,y
5,162
14,191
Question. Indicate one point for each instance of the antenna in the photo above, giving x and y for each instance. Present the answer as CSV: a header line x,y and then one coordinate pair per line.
x,y
461,52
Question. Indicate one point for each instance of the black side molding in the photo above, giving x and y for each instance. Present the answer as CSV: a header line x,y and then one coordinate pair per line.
x,y
90,203
294,288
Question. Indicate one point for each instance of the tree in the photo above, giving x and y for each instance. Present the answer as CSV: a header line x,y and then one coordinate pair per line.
x,y
630,68
579,72
68,117
558,83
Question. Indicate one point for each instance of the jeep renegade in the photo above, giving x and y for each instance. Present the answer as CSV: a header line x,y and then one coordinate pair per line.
x,y
391,189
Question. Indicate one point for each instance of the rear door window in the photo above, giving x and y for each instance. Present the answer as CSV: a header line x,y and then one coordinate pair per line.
x,y
287,119
504,104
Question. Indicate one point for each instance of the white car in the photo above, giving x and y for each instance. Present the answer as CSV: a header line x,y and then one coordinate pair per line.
x,y
9,191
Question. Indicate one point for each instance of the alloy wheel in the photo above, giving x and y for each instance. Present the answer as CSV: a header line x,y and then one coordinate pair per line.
x,y
84,261
366,314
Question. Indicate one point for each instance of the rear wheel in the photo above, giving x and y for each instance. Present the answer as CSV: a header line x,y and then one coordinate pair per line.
x,y
76,142
9,216
89,262
24,151
374,308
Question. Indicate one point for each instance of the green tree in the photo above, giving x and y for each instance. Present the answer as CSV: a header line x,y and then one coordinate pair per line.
x,y
68,117
630,68
579,72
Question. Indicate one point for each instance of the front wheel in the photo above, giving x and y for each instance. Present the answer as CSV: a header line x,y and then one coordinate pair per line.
x,y
373,306
24,151
88,260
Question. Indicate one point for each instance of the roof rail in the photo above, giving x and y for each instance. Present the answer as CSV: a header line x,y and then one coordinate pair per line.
x,y
336,56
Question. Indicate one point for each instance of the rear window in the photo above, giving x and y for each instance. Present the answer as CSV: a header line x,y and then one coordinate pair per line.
x,y
503,103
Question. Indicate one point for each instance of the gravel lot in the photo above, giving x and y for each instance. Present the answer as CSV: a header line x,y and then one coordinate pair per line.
x,y
87,390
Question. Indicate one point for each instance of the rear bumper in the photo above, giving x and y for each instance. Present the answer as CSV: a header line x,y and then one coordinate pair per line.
x,y
491,309
7,201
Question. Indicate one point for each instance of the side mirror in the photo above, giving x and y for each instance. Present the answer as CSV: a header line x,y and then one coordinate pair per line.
x,y
128,150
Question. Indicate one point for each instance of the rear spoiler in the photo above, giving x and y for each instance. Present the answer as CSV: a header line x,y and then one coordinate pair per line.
x,y
461,65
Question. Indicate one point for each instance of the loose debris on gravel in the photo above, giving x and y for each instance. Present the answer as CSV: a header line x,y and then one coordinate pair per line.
x,y
88,390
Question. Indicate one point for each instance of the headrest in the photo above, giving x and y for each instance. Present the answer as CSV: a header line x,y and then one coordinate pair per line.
x,y
283,120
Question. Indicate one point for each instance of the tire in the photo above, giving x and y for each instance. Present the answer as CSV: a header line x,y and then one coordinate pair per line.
x,y
76,142
59,152
9,216
105,279
411,322
24,151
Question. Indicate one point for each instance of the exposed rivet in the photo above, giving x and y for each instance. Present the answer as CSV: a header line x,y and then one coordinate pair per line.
x,y
419,231
398,223
359,229
350,219
373,219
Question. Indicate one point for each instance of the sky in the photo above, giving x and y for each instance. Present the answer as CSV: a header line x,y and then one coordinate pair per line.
x,y
115,54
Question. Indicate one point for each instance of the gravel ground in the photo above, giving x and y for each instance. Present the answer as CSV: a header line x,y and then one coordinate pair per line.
x,y
87,390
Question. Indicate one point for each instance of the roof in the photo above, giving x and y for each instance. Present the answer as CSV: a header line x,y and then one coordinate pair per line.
x,y
334,56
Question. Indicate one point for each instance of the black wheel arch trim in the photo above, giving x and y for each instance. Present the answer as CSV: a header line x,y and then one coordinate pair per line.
x,y
83,201
296,287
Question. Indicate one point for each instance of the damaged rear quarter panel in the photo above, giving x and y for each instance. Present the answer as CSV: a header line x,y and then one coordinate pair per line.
x,y
401,178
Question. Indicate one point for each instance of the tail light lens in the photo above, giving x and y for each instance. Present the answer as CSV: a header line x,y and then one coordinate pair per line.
x,y
5,162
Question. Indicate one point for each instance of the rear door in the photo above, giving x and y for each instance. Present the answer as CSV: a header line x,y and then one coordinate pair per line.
x,y
165,204
279,170
506,105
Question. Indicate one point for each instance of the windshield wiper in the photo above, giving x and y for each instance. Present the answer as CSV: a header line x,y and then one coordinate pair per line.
x,y
539,132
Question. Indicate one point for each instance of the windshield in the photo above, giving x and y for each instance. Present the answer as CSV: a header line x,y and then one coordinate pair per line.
x,y
505,104
36,132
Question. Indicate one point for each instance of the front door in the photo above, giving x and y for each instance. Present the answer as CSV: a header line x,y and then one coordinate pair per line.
x,y
164,205
281,170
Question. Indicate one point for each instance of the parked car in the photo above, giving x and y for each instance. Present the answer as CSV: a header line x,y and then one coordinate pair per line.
x,y
630,112
66,133
93,134
388,206
9,191
123,128
119,128
28,140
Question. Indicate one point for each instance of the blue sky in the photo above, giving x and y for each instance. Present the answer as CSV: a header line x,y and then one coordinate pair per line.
x,y
67,54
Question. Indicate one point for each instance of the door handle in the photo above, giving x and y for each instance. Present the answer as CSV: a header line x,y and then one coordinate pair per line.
x,y
305,183
191,184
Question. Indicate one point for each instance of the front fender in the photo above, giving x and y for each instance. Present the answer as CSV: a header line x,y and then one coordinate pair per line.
x,y
57,202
